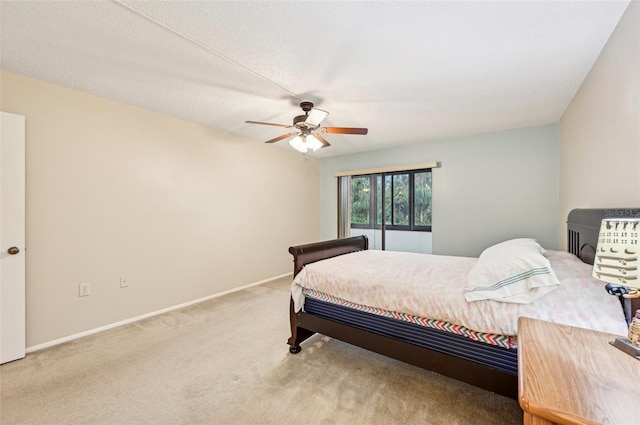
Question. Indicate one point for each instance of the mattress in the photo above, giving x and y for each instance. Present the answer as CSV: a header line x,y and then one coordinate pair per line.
x,y
492,356
492,339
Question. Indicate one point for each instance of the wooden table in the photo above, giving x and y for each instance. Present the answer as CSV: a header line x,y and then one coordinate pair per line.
x,y
569,375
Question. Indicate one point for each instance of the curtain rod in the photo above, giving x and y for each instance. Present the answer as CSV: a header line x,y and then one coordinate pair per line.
x,y
390,169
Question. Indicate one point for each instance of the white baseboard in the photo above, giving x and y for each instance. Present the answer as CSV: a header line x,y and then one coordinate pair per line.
x,y
147,315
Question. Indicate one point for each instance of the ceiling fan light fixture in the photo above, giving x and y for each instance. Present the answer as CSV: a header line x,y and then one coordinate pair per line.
x,y
298,144
305,143
313,143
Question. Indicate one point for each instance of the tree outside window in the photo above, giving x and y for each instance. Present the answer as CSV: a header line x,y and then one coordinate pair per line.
x,y
408,200
360,200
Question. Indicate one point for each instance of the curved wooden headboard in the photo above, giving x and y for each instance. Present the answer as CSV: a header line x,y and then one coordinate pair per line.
x,y
583,227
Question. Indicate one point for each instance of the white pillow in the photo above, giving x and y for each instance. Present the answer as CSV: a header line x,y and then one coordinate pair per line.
x,y
513,271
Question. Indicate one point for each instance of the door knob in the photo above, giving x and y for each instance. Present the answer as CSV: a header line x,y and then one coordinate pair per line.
x,y
13,250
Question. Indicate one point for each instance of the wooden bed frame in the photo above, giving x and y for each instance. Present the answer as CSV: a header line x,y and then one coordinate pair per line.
x,y
582,239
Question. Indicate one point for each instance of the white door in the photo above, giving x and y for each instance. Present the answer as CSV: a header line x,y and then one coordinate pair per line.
x,y
12,237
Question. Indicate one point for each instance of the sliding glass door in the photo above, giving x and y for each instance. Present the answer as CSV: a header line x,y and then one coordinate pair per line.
x,y
403,198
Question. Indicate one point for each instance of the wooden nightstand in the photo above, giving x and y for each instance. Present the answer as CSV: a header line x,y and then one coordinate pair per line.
x,y
569,375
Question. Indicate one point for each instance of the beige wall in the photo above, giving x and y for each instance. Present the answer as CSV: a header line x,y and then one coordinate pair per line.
x,y
182,210
600,130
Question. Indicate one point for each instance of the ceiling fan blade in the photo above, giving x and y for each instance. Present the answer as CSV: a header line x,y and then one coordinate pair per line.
x,y
324,142
316,116
284,136
268,123
345,130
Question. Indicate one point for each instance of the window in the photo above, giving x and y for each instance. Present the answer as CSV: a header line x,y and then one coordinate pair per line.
x,y
422,199
407,200
361,200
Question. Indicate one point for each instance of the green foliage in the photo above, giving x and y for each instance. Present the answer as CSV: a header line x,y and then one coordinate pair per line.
x,y
360,200
396,199
400,192
422,199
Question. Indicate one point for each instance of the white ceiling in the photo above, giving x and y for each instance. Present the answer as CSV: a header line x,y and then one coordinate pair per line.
x,y
409,71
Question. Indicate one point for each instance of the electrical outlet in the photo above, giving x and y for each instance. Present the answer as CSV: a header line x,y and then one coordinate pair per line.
x,y
84,289
123,282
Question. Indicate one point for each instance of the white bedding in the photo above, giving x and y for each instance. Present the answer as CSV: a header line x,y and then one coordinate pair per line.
x,y
432,286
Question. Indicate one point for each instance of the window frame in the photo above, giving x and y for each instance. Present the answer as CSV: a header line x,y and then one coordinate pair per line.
x,y
373,201
372,192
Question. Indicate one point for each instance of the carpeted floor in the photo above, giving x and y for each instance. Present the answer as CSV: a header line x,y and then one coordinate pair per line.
x,y
225,361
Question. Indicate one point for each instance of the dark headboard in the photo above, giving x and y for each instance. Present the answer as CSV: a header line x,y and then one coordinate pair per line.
x,y
583,227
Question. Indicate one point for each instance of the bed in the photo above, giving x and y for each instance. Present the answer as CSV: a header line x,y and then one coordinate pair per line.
x,y
484,359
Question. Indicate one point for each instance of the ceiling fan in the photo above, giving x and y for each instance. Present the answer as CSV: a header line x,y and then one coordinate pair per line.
x,y
308,128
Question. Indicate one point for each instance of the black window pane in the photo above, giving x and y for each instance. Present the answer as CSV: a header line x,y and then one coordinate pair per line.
x,y
387,199
422,199
401,199
360,200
